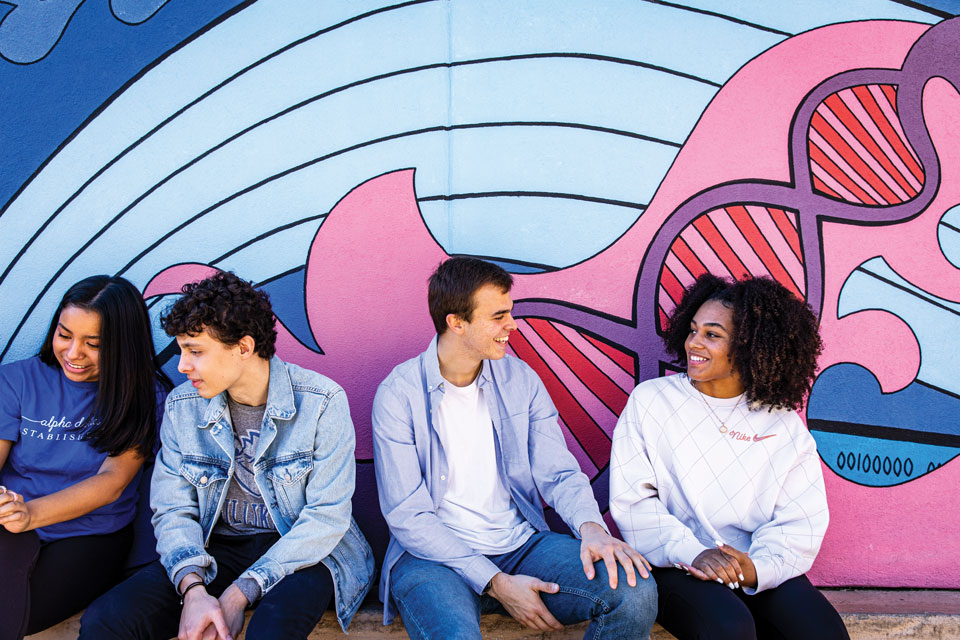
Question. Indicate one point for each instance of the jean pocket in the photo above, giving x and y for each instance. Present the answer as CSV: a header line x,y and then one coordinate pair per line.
x,y
205,474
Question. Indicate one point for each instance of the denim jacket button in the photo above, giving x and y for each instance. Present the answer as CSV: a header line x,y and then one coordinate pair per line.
x,y
443,477
288,477
203,480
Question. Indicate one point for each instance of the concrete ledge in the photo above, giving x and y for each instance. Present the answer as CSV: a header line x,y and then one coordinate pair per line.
x,y
869,614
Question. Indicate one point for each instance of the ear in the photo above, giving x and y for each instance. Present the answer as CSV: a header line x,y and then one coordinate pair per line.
x,y
247,346
455,323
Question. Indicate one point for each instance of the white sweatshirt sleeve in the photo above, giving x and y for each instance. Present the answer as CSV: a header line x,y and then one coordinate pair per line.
x,y
635,505
786,547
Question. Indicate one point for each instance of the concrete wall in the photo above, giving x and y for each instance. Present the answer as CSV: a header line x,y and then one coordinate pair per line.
x,y
605,152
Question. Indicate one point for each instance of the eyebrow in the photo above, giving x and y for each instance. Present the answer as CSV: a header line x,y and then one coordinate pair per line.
x,y
64,327
188,344
710,324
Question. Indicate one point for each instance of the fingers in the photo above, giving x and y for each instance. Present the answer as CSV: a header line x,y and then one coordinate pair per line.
x,y
223,631
611,564
738,556
724,571
696,573
546,587
586,558
210,633
639,562
626,562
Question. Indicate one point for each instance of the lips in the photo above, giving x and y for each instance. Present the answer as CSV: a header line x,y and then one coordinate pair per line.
x,y
502,340
76,367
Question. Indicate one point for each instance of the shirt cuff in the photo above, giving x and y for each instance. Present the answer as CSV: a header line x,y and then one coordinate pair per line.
x,y
187,570
249,588
584,516
686,551
766,577
479,572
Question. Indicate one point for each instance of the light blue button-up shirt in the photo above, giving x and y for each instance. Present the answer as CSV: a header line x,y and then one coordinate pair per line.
x,y
532,458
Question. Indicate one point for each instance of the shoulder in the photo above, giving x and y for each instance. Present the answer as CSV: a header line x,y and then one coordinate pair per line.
x,y
661,390
308,381
182,393
405,378
514,372
27,369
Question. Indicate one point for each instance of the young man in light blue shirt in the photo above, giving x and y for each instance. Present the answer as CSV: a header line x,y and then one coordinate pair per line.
x,y
467,448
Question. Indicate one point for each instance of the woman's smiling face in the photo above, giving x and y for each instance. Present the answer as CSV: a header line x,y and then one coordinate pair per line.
x,y
76,344
709,363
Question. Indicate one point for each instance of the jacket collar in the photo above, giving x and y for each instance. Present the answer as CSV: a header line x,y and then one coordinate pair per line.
x,y
280,401
431,368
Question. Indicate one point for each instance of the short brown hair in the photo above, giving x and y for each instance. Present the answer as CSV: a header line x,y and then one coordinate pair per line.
x,y
452,285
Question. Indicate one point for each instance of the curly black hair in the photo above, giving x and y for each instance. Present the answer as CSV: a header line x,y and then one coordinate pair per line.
x,y
229,308
775,342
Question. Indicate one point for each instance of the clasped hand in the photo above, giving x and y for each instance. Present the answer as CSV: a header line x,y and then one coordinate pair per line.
x,y
14,512
726,565
207,618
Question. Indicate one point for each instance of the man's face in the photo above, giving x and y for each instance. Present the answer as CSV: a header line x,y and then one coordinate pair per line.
x,y
486,334
212,366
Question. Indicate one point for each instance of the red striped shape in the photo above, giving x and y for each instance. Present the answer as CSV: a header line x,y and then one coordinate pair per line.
x,y
819,185
590,436
818,156
891,95
671,284
857,164
689,259
889,133
623,360
596,380
788,229
741,218
850,121
712,235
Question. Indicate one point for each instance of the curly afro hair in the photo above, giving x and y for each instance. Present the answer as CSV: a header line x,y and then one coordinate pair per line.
x,y
229,308
775,342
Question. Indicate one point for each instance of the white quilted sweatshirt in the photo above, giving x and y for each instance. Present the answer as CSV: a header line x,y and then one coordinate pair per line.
x,y
679,485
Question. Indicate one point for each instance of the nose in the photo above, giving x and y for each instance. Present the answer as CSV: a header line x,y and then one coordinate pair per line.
x,y
693,340
511,323
182,365
75,350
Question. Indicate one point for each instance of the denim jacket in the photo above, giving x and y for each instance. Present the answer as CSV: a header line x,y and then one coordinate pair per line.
x,y
532,458
304,468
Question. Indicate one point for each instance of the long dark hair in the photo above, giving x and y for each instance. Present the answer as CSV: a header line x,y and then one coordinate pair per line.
x,y
775,342
125,409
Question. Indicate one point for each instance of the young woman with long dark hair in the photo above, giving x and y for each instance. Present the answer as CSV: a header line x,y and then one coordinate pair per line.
x,y
715,479
77,422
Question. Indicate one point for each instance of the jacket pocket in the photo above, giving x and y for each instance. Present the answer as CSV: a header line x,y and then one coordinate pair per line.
x,y
288,474
208,476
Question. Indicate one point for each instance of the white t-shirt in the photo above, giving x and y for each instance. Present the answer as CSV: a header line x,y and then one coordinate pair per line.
x,y
476,505
678,484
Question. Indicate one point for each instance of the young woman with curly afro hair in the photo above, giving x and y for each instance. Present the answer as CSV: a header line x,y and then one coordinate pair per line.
x,y
716,479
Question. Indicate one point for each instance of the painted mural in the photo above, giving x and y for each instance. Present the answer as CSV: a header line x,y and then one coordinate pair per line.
x,y
604,152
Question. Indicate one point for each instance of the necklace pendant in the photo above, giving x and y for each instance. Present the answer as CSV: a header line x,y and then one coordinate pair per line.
x,y
723,428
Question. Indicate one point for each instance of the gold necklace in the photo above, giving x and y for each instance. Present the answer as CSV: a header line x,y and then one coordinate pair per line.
x,y
723,423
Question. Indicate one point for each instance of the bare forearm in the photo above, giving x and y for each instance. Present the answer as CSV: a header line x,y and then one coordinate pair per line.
x,y
75,500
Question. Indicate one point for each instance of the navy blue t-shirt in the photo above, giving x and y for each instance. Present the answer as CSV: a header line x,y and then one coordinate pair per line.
x,y
47,417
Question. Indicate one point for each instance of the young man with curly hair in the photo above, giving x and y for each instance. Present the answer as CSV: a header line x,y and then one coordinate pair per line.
x,y
251,491
467,449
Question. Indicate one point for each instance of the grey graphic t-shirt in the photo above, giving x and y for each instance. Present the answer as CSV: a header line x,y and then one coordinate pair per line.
x,y
244,512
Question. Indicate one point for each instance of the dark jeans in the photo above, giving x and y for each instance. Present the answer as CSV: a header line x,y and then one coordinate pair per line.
x,y
42,584
146,605
694,609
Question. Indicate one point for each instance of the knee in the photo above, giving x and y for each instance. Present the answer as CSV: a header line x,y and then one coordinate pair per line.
x,y
99,618
736,624
637,603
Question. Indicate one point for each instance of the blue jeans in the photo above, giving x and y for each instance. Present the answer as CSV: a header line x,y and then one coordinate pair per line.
x,y
146,606
436,603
